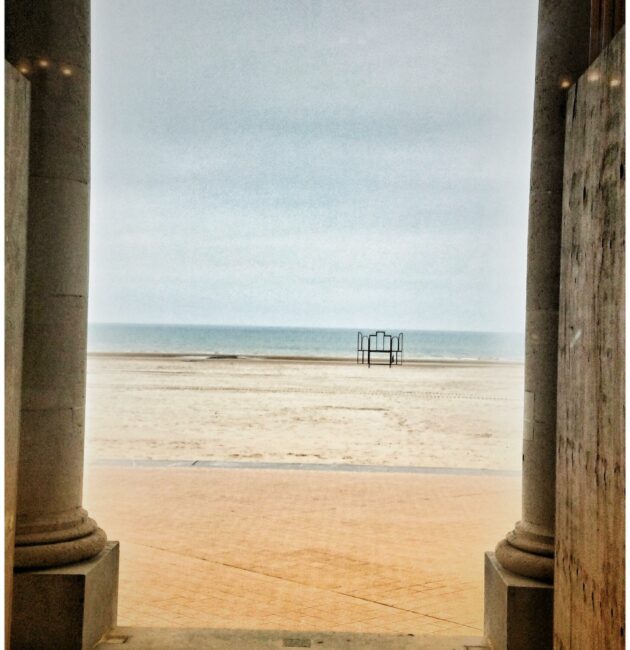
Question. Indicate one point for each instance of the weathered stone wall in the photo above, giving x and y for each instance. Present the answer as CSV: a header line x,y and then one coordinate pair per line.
x,y
590,503
16,130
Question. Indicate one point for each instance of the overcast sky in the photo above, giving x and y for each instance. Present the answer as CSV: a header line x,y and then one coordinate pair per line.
x,y
311,162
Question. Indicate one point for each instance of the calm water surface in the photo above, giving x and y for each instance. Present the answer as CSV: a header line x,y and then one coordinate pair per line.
x,y
296,341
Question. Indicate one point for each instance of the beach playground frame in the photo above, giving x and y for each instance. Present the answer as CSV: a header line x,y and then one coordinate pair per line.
x,y
380,343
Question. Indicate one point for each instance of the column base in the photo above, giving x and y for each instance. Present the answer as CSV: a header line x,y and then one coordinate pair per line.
x,y
72,551
68,607
518,612
527,552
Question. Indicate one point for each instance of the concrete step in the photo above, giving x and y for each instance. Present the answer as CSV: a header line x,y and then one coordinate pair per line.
x,y
148,638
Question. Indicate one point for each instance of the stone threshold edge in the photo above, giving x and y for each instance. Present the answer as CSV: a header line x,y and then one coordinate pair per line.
x,y
316,467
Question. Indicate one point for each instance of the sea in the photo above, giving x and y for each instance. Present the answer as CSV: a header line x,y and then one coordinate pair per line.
x,y
226,340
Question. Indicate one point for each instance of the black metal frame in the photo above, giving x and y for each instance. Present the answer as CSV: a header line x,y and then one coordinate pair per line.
x,y
389,344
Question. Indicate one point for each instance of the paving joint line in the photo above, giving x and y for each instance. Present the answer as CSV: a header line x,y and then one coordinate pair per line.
x,y
302,584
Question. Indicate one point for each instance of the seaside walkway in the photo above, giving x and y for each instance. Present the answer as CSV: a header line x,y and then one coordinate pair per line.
x,y
269,549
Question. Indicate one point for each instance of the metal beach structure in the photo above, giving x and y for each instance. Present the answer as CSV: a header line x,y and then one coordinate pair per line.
x,y
380,343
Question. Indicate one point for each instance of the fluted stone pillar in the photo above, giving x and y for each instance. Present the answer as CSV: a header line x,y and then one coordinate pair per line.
x,y
49,42
518,577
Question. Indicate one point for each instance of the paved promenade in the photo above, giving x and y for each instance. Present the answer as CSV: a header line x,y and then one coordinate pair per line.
x,y
303,550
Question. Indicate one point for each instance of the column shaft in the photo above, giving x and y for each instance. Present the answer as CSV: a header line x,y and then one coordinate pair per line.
x,y
561,56
49,42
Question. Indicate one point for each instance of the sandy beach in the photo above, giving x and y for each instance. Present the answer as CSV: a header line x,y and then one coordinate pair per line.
x,y
432,414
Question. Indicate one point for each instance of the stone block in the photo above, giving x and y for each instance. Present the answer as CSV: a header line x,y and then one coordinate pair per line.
x,y
16,129
69,607
518,612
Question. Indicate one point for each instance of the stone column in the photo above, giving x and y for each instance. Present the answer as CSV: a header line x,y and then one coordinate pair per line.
x,y
65,586
49,42
561,57
519,576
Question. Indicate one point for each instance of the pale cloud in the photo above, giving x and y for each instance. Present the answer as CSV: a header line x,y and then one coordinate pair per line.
x,y
311,163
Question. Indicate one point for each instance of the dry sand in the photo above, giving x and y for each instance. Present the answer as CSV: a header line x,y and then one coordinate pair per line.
x,y
437,414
